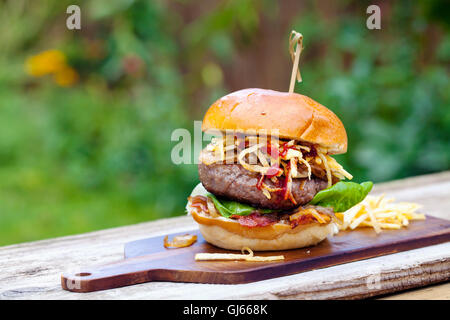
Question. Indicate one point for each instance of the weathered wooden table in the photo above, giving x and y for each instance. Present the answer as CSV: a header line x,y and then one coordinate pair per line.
x,y
32,270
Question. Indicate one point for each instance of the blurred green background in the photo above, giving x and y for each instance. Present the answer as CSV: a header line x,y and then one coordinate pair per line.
x,y
86,115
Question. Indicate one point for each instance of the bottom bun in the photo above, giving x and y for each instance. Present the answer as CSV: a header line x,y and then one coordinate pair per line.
x,y
229,234
310,235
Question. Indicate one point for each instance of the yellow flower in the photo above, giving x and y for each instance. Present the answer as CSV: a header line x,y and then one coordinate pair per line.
x,y
46,62
66,77
52,62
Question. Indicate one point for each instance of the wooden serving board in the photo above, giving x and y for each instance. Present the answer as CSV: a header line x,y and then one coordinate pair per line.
x,y
147,259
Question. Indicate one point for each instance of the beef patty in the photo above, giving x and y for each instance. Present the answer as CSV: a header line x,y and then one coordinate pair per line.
x,y
236,183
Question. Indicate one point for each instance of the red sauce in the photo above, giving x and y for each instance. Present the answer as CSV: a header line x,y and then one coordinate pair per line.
x,y
273,171
285,183
284,150
260,182
271,150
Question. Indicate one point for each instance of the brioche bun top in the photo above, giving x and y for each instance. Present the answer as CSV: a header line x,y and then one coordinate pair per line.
x,y
295,116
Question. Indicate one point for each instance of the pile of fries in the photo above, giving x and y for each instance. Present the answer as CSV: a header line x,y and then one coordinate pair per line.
x,y
380,213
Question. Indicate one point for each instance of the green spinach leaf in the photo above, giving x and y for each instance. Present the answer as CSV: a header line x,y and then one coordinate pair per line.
x,y
227,208
342,196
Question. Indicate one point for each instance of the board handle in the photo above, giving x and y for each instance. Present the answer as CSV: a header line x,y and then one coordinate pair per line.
x,y
151,267
119,274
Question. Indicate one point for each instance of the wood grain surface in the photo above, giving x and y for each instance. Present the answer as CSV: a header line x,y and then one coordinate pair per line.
x,y
147,260
32,270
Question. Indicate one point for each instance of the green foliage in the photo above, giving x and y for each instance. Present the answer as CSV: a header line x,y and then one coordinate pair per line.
x,y
97,154
393,104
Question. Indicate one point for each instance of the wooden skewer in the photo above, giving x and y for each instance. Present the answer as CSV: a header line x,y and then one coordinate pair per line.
x,y
295,40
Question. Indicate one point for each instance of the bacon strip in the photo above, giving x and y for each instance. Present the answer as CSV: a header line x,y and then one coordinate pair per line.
x,y
254,220
304,219
199,202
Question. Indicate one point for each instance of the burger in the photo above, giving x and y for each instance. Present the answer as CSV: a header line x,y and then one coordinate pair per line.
x,y
268,178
